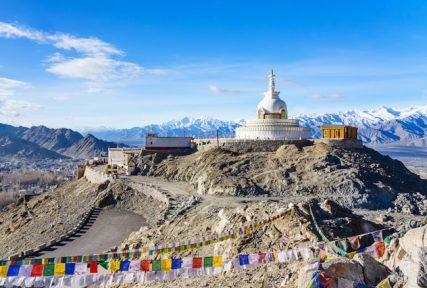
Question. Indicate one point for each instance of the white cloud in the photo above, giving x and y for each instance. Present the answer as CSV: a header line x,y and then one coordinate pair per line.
x,y
317,97
94,63
10,107
218,90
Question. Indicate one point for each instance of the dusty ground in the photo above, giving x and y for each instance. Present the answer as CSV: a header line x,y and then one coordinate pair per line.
x,y
356,178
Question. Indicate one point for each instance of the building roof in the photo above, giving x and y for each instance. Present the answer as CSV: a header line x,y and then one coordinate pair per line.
x,y
336,126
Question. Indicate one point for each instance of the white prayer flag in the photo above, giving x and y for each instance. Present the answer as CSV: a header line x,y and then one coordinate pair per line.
x,y
227,264
253,261
305,253
20,282
29,282
10,281
184,273
38,282
135,266
187,262
378,236
25,270
236,265
151,276
118,278
282,256
312,267
139,277
128,278
100,280
81,268
67,282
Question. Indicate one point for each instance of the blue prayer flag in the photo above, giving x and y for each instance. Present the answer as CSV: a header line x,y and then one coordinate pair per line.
x,y
124,265
244,259
13,270
176,263
69,268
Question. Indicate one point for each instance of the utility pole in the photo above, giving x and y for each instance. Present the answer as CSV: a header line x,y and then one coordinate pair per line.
x,y
217,138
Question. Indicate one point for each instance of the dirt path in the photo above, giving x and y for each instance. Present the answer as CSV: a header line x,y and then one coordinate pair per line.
x,y
101,232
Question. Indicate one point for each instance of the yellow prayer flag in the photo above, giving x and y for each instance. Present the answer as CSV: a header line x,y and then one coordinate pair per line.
x,y
166,264
3,271
384,284
114,265
217,261
59,269
351,254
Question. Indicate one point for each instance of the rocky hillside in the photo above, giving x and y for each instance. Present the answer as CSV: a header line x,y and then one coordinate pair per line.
x,y
40,139
353,177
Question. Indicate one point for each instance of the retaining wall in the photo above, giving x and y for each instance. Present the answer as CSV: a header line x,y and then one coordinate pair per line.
x,y
96,176
150,190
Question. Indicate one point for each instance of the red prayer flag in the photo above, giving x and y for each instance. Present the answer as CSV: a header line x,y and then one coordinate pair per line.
x,y
93,267
325,280
145,265
261,258
197,262
37,270
380,248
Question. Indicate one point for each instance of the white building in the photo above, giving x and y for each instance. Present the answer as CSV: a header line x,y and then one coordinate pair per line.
x,y
154,142
273,122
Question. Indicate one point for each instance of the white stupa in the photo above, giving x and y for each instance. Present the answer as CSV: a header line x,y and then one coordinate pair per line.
x,y
273,122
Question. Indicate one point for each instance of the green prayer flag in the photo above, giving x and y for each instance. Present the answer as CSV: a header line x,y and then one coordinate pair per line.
x,y
104,264
48,269
208,261
387,240
156,265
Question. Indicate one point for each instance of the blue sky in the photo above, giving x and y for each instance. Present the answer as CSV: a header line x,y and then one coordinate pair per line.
x,y
121,64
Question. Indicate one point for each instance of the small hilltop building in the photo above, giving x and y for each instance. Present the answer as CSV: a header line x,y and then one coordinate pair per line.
x,y
339,132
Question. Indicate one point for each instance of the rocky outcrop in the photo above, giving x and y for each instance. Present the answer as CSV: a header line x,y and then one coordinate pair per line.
x,y
361,178
410,257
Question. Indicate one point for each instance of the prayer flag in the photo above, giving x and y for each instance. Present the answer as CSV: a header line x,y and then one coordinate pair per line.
x,y
187,262
114,265
253,261
176,263
93,267
384,284
312,267
166,264
69,268
282,256
13,270
208,261
135,265
244,259
354,242
3,271
156,265
59,269
325,280
261,258
81,268
25,270
103,264
378,236
124,265
380,248
145,265
49,270
217,261
197,262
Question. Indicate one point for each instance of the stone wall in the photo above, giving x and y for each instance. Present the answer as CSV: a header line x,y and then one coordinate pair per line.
x,y
243,146
96,176
341,143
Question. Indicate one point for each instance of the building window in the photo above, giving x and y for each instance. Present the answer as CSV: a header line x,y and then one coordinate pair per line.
x,y
337,133
325,133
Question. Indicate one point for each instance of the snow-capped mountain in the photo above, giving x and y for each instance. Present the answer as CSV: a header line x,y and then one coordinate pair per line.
x,y
187,126
382,125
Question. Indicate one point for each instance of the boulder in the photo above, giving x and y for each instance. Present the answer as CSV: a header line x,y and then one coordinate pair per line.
x,y
373,271
344,268
411,257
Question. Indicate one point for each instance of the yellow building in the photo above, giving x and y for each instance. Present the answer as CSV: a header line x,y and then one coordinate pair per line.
x,y
339,132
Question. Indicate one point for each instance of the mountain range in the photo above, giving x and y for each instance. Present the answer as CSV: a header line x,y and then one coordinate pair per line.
x,y
383,125
40,142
